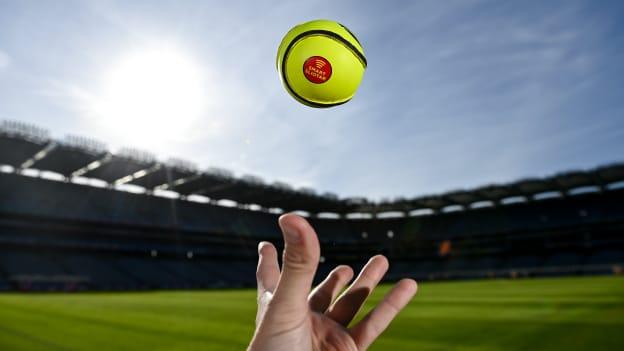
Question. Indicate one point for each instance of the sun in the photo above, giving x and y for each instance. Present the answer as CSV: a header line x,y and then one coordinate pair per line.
x,y
152,94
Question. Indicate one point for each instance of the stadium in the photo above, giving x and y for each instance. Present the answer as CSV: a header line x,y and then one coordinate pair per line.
x,y
76,217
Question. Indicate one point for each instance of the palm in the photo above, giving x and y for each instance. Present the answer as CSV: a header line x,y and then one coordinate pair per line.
x,y
316,332
290,317
329,335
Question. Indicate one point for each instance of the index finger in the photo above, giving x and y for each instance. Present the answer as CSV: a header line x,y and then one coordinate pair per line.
x,y
267,273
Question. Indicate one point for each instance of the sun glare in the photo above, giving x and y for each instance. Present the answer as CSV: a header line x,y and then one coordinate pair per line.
x,y
151,95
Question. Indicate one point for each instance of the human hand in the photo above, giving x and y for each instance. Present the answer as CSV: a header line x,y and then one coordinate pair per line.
x,y
291,318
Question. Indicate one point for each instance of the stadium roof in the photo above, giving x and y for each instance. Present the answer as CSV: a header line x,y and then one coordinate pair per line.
x,y
23,146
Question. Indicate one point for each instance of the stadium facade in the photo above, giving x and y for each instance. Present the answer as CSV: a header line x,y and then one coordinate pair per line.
x,y
74,216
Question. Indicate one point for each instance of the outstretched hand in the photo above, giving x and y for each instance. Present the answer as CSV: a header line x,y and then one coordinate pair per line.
x,y
292,318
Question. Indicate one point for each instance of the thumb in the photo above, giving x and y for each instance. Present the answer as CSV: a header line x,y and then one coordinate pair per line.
x,y
299,263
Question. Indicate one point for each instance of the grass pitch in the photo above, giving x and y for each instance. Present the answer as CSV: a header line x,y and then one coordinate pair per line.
x,y
541,314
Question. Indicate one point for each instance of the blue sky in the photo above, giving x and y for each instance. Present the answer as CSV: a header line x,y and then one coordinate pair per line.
x,y
457,93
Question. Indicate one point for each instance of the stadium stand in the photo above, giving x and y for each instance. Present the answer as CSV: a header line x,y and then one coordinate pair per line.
x,y
68,224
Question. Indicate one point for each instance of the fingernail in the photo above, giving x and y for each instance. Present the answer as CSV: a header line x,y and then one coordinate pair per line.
x,y
260,244
291,236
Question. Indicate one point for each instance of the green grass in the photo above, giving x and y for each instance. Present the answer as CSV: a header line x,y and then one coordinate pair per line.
x,y
541,314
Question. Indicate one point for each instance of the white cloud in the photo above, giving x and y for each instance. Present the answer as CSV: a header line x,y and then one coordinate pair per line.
x,y
5,60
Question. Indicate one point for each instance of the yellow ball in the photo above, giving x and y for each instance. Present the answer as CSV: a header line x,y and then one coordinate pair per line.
x,y
321,63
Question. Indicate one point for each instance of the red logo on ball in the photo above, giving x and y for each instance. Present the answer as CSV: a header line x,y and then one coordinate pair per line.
x,y
317,69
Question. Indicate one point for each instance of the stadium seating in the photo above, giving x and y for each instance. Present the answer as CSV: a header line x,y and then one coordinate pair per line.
x,y
101,272
64,236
